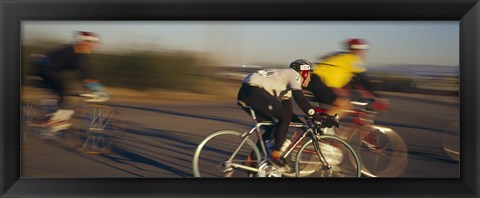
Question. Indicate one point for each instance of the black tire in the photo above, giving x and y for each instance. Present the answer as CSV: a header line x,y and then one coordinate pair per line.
x,y
337,152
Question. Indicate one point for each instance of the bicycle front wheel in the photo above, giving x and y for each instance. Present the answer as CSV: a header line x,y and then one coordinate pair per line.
x,y
383,151
451,140
330,156
215,157
96,129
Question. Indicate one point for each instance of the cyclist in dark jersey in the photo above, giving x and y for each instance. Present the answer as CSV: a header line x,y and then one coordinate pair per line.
x,y
51,68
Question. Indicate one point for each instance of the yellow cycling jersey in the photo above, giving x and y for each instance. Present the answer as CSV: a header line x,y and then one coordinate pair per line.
x,y
337,70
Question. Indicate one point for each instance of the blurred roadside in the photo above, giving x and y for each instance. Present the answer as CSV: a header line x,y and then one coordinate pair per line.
x,y
122,95
180,76
169,96
447,100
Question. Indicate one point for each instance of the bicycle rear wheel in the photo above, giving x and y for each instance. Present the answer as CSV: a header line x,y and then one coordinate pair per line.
x,y
96,129
332,159
27,112
212,155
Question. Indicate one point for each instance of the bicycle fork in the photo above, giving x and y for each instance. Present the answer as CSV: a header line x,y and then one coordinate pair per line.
x,y
323,160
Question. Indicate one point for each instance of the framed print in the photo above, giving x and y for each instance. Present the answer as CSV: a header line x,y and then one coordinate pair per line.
x,y
141,118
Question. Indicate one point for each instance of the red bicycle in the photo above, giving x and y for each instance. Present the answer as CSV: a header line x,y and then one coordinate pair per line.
x,y
382,150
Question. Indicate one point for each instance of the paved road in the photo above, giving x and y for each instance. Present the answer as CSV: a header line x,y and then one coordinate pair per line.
x,y
161,138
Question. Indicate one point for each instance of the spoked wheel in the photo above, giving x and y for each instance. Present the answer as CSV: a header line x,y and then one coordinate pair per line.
x,y
31,115
26,116
211,158
451,140
331,159
383,151
96,129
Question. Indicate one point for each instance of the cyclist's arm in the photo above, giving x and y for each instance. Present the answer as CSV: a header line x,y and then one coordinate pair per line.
x,y
303,103
295,86
362,78
307,108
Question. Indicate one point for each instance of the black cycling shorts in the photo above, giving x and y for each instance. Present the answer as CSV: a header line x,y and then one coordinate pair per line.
x,y
323,93
267,107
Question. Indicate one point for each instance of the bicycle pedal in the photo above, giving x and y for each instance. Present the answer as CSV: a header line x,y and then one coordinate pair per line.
x,y
263,169
36,125
50,135
95,129
274,174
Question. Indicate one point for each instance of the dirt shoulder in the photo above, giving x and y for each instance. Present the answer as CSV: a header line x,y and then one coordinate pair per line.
x,y
165,96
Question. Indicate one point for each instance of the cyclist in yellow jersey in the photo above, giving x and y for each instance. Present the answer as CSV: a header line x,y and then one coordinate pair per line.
x,y
336,71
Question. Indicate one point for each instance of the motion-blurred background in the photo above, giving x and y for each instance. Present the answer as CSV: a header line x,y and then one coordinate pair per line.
x,y
175,82
205,56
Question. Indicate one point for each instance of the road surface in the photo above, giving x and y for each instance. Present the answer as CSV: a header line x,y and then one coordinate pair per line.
x,y
160,139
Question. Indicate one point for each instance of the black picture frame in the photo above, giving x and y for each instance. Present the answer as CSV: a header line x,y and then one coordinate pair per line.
x,y
467,12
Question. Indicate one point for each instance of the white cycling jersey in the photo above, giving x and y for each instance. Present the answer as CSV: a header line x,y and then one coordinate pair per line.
x,y
277,82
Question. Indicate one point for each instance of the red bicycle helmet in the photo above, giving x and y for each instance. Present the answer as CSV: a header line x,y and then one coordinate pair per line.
x,y
356,44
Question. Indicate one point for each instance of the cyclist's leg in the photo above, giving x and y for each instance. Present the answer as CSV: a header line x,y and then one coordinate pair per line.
x,y
283,114
58,120
261,118
284,118
326,95
265,105
244,95
56,83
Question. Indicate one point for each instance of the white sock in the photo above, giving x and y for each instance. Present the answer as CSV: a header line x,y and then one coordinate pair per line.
x,y
62,114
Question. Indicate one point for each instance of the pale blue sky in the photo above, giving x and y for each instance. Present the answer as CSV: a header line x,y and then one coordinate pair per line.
x,y
278,42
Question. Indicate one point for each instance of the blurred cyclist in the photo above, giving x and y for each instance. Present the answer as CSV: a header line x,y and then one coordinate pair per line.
x,y
269,93
51,68
337,70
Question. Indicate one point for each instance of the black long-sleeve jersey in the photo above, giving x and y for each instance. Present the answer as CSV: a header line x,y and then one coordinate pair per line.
x,y
65,58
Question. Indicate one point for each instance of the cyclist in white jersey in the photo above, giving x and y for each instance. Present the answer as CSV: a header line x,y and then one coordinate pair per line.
x,y
269,93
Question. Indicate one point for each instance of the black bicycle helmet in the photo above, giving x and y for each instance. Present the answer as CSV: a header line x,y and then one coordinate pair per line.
x,y
301,65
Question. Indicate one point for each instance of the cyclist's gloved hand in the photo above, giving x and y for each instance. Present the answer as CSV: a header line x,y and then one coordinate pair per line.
x,y
381,104
325,120
96,88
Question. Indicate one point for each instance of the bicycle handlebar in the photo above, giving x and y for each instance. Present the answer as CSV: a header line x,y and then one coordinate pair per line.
x,y
327,121
91,97
373,105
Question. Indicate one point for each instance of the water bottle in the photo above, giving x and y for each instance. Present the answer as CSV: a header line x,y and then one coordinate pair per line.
x,y
295,138
268,144
285,145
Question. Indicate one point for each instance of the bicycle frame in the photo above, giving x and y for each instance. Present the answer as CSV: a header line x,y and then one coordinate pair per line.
x,y
308,128
360,116
100,116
